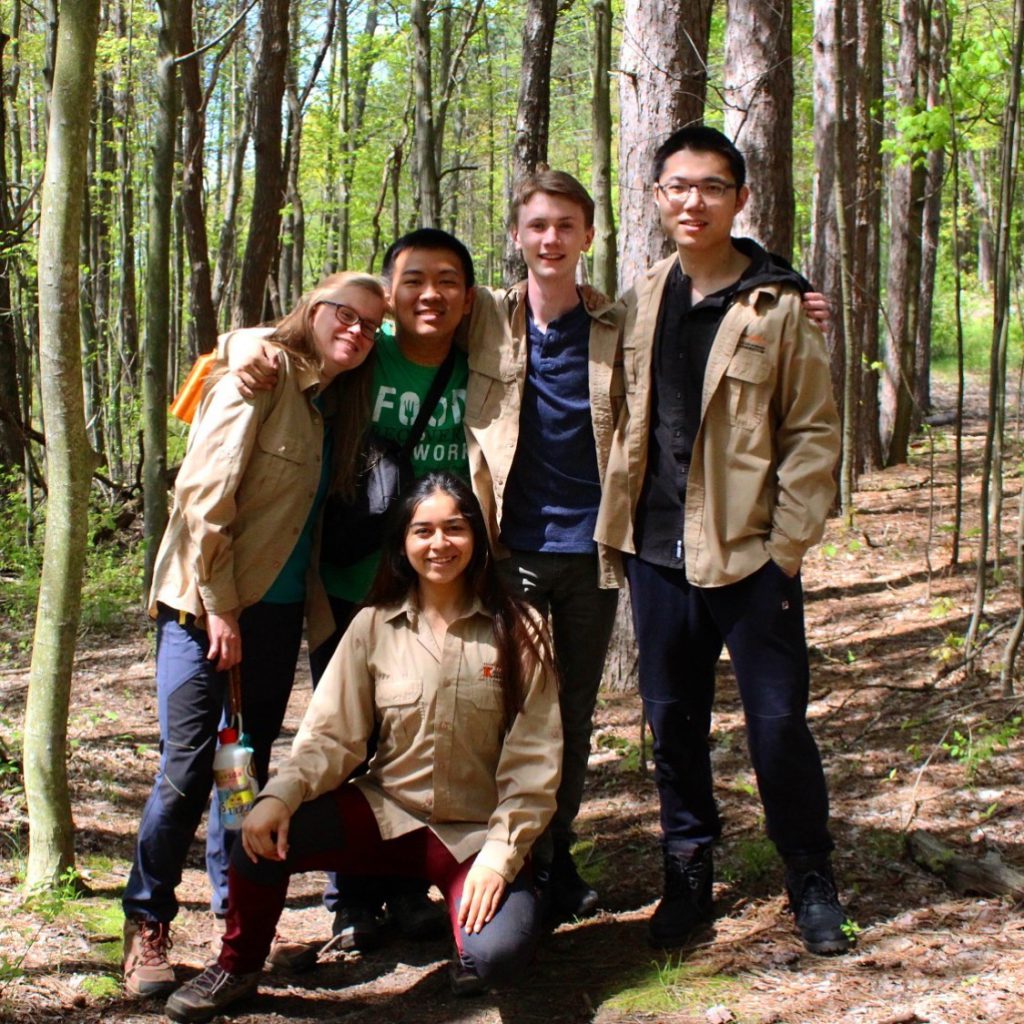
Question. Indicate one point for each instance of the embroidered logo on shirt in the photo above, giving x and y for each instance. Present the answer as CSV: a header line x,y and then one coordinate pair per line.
x,y
490,671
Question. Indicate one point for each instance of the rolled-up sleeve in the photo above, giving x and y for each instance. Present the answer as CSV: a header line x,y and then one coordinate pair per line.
x,y
528,774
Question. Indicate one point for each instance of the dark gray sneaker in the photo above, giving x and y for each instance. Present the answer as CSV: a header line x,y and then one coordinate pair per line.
x,y
357,929
202,998
820,917
686,907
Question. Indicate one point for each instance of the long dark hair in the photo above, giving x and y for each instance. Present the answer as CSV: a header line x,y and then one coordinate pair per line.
x,y
522,641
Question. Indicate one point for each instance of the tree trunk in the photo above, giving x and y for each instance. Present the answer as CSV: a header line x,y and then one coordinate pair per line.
x,y
533,113
906,211
232,198
932,222
866,86
88,328
975,164
12,451
759,115
124,368
604,259
203,324
425,144
991,475
662,85
70,461
158,294
268,176
834,159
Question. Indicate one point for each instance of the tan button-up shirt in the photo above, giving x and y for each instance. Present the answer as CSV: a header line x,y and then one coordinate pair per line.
x,y
444,759
242,496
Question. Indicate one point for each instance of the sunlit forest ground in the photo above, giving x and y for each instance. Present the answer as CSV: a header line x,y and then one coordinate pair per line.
x,y
911,742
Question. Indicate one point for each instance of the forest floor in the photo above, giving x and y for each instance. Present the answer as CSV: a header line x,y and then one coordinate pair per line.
x,y
910,741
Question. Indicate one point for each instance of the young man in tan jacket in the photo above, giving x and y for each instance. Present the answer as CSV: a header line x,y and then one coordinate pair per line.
x,y
719,479
545,388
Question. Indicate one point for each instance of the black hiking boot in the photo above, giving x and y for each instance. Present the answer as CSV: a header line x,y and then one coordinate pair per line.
x,y
820,917
686,906
567,893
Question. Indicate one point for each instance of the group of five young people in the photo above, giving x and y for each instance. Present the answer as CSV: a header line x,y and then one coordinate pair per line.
x,y
582,418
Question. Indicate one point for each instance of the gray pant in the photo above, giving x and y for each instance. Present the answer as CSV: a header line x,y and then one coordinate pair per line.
x,y
564,589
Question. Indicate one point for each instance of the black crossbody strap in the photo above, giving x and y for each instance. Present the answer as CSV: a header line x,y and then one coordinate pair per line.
x,y
437,385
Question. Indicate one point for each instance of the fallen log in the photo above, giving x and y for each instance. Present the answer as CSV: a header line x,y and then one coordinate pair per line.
x,y
986,875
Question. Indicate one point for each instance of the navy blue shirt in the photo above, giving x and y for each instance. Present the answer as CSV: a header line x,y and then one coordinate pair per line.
x,y
554,487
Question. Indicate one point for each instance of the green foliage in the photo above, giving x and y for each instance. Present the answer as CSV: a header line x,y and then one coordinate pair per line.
x,y
49,902
627,750
917,133
113,570
977,327
975,746
675,985
592,867
751,860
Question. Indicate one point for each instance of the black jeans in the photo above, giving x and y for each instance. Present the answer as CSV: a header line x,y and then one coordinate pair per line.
x,y
680,632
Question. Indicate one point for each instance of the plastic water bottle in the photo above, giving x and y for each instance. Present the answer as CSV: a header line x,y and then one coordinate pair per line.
x,y
235,776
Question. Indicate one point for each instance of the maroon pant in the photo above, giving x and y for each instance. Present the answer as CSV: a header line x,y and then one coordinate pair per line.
x,y
338,832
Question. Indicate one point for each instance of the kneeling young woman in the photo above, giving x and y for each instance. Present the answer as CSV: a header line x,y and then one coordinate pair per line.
x,y
458,677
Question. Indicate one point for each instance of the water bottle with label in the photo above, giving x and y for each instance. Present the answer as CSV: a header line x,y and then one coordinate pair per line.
x,y
235,777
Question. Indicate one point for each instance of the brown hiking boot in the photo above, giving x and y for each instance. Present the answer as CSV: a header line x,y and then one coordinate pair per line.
x,y
147,971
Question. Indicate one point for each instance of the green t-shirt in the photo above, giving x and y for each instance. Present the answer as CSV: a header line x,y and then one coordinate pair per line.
x,y
399,387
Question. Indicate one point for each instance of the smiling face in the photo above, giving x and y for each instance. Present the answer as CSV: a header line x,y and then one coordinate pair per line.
x,y
343,347
439,541
694,222
551,233
429,298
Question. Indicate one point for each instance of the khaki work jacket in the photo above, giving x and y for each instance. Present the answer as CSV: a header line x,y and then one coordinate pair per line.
x,y
241,497
444,759
498,353
761,479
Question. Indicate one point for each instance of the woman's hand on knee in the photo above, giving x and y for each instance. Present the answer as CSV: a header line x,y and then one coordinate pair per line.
x,y
265,830
481,897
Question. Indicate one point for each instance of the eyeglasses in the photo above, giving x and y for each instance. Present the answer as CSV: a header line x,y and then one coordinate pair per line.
x,y
348,317
678,191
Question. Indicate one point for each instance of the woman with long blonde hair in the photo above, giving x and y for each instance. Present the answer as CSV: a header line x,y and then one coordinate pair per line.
x,y
236,574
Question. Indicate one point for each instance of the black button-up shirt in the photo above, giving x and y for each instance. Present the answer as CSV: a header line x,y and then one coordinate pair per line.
x,y
682,344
